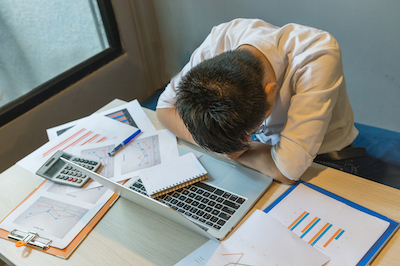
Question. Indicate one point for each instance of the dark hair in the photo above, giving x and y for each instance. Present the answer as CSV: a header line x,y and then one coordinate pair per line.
x,y
222,99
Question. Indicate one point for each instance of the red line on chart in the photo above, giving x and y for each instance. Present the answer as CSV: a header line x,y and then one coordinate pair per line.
x,y
79,140
102,139
56,214
144,157
91,139
63,142
117,114
241,255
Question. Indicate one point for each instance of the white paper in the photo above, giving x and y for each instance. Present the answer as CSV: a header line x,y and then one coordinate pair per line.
x,y
130,113
54,132
346,233
53,214
261,240
200,256
145,151
94,130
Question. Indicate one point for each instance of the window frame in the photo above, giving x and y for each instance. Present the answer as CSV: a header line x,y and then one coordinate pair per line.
x,y
45,91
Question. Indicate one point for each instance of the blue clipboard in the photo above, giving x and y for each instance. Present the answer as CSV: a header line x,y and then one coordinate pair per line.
x,y
379,244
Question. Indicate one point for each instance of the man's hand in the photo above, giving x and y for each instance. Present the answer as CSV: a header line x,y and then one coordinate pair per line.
x,y
258,157
232,156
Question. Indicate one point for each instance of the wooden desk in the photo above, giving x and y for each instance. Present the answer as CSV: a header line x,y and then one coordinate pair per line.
x,y
131,235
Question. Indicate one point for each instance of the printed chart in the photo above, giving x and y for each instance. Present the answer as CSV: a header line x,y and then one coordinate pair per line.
x,y
101,154
318,232
123,116
343,233
262,240
140,154
50,217
82,137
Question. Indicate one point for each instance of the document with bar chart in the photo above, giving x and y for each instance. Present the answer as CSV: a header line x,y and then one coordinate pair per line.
x,y
96,129
346,232
131,114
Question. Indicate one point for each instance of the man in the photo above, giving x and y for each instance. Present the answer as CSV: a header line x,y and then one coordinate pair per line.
x,y
284,84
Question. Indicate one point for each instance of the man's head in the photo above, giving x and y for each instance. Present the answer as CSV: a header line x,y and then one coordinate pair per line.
x,y
222,100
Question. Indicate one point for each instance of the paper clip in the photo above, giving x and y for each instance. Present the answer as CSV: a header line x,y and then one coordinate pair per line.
x,y
29,238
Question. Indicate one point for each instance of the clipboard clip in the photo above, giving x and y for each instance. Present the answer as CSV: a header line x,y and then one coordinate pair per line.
x,y
29,238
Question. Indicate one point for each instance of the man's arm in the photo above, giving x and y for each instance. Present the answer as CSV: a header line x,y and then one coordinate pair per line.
x,y
171,120
259,157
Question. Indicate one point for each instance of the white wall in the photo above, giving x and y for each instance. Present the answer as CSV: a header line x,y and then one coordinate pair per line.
x,y
134,75
368,32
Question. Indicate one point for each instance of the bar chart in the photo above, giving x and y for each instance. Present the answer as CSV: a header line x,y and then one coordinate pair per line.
x,y
338,230
311,227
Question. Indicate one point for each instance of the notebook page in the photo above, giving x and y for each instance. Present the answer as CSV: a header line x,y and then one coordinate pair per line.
x,y
171,173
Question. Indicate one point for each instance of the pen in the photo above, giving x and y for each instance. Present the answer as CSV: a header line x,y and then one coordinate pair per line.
x,y
120,146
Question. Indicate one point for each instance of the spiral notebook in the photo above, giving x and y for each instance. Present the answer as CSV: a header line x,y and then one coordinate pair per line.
x,y
172,175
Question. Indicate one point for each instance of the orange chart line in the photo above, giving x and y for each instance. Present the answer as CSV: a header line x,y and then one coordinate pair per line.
x,y
63,142
333,237
295,221
79,140
308,226
241,255
320,231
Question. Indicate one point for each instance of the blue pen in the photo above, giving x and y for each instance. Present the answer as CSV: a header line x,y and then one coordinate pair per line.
x,y
120,146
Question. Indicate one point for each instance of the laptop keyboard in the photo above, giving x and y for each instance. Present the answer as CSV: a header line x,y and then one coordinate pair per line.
x,y
202,202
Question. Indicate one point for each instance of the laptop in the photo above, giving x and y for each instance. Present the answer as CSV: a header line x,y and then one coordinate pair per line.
x,y
212,207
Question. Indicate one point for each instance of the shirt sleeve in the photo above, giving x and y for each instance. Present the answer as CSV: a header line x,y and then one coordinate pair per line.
x,y
316,83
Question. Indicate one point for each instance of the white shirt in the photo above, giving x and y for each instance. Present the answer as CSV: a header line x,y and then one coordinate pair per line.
x,y
312,113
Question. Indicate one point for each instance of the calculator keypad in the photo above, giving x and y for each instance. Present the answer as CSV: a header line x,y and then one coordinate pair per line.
x,y
71,176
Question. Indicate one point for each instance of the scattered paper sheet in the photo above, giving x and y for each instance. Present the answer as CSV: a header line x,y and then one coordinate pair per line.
x,y
94,130
200,256
53,214
261,240
147,150
341,232
130,113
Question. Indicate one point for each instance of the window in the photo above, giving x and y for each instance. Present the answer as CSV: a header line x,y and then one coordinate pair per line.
x,y
47,45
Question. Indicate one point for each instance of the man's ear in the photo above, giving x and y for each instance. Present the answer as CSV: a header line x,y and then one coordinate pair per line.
x,y
271,87
271,90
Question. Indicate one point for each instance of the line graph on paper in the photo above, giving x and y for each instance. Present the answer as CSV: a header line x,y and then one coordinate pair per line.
x,y
58,217
101,154
140,154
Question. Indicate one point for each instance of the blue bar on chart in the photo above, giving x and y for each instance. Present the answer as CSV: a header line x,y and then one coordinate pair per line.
x,y
320,234
298,220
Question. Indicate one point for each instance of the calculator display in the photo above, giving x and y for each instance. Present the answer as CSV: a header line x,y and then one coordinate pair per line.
x,y
54,168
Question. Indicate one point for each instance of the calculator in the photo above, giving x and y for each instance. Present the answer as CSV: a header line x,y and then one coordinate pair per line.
x,y
62,173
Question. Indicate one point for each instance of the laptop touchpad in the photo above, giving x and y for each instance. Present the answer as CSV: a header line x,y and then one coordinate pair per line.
x,y
217,170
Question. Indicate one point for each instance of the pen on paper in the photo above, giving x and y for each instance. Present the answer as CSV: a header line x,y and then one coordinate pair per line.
x,y
123,144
